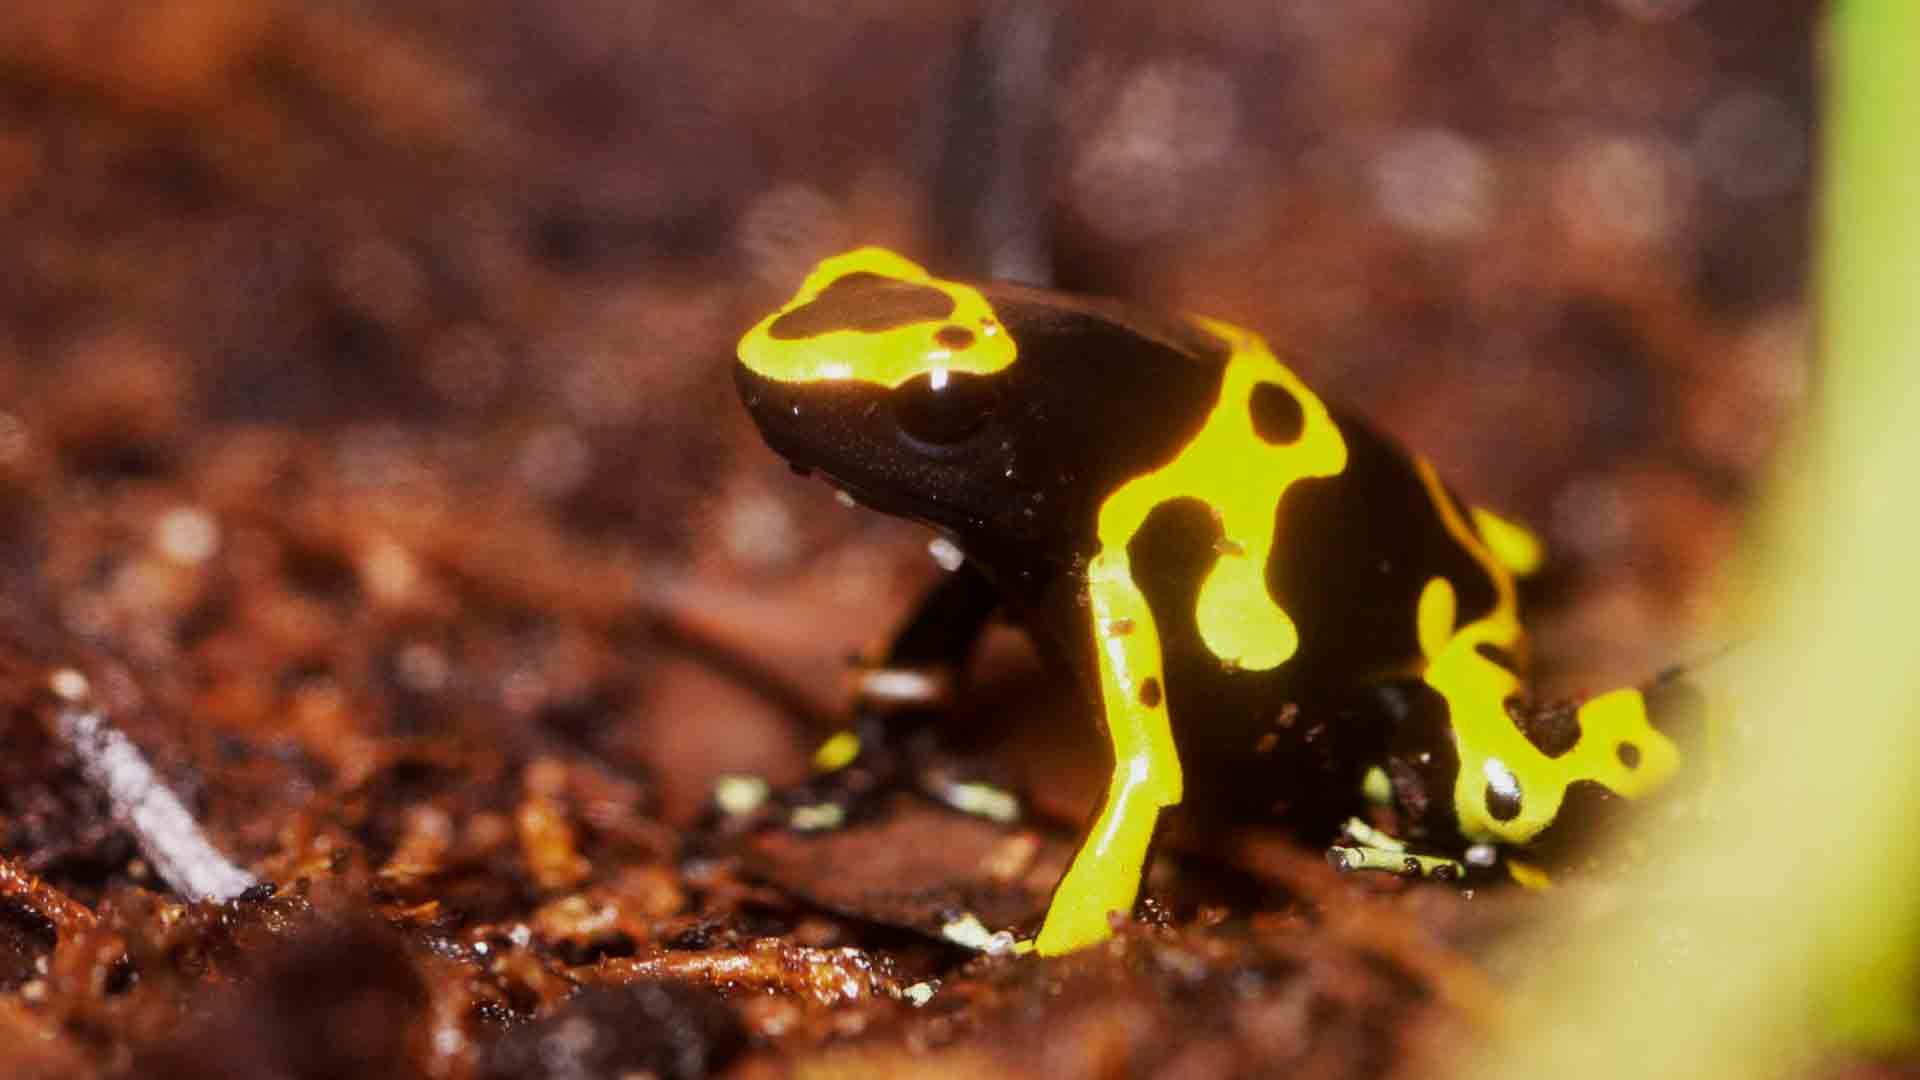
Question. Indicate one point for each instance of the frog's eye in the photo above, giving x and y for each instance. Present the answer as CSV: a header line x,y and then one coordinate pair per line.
x,y
942,408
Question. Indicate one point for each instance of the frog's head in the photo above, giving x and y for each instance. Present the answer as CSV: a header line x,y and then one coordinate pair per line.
x,y
998,413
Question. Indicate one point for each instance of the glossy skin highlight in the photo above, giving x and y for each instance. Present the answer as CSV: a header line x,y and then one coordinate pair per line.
x,y
1211,547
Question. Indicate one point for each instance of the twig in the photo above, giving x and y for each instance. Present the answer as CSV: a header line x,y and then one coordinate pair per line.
x,y
140,801
24,887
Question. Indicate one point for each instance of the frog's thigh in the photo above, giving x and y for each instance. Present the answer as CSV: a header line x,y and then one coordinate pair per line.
x,y
1106,872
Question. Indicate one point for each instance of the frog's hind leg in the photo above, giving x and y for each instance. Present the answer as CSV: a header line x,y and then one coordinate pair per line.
x,y
1366,848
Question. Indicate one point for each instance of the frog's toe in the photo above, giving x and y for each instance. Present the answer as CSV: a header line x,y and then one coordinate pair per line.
x,y
742,803
859,792
1371,850
1400,863
969,792
828,801
851,768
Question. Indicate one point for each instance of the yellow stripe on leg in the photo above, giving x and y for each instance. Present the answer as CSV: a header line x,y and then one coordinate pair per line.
x,y
1105,875
1106,872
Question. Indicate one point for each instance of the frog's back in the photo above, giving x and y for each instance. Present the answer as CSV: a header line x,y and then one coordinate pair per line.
x,y
1284,549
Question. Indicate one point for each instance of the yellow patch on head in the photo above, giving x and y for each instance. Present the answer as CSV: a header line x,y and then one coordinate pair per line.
x,y
837,328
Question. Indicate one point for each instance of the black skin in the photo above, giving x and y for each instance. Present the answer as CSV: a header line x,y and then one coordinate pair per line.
x,y
1014,467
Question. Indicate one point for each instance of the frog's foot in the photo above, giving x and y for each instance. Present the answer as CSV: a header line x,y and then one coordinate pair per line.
x,y
899,700
855,770
852,774
851,770
1370,849
849,782
891,748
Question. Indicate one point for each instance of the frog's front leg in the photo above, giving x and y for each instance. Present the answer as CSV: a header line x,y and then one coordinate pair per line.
x,y
1107,870
897,697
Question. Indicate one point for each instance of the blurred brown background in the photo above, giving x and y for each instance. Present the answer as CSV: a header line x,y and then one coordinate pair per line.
x,y
364,366
1560,247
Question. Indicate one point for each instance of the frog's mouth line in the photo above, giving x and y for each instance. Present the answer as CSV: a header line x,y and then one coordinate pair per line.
x,y
894,504
772,408
941,518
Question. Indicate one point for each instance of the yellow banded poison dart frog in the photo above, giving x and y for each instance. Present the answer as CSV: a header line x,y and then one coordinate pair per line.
x,y
1266,601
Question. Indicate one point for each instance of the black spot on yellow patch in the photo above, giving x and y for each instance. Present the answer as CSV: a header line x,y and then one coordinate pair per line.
x,y
865,302
1277,416
1150,692
1628,754
953,337
1504,806
1552,729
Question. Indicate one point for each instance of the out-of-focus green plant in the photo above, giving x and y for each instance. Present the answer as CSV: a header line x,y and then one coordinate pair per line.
x,y
1790,928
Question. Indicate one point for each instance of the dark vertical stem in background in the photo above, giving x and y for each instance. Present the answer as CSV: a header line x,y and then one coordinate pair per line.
x,y
991,134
